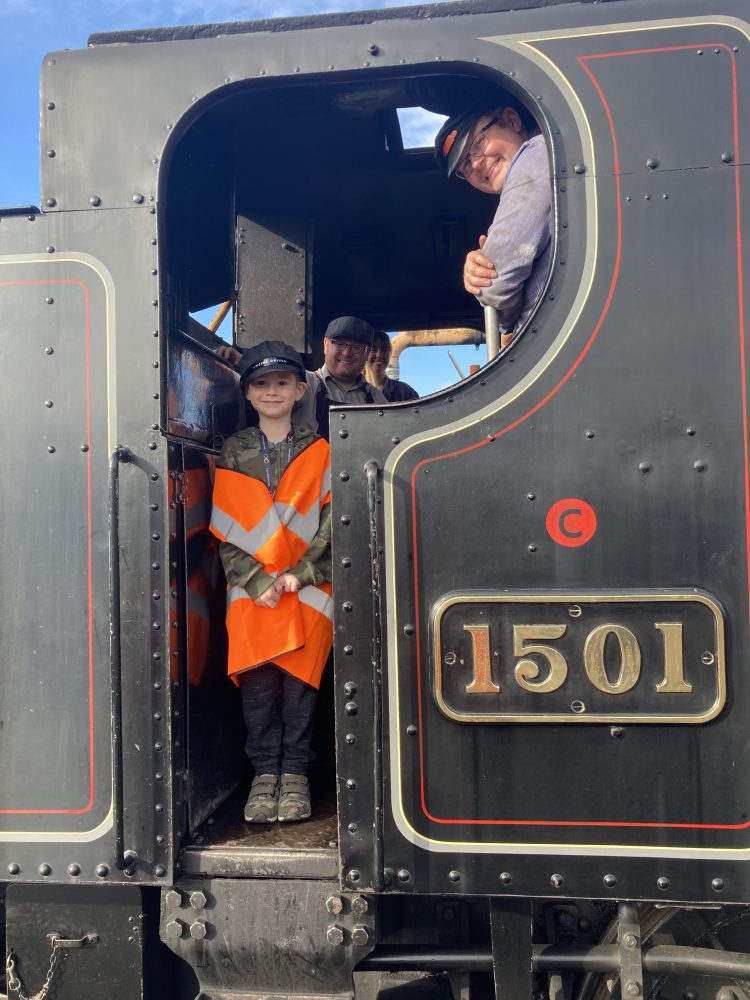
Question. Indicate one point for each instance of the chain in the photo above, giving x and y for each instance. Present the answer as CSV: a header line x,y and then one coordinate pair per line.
x,y
15,984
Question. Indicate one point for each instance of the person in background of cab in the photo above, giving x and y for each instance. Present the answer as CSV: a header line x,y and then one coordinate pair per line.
x,y
500,152
394,390
346,344
272,512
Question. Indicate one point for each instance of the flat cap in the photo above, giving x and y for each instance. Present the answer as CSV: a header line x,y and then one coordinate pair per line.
x,y
350,328
270,356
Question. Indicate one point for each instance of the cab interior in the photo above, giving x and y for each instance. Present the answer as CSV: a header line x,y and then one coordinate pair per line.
x,y
300,202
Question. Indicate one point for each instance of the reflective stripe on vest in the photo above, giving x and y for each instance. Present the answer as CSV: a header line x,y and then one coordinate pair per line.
x,y
277,531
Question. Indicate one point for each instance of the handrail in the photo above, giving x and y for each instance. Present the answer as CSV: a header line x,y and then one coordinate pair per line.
x,y
371,471
119,455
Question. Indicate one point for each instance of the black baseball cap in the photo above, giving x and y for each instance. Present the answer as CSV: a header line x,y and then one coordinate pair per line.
x,y
270,356
453,137
350,328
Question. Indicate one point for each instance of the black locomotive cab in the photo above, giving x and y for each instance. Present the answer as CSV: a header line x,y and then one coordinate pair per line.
x,y
532,748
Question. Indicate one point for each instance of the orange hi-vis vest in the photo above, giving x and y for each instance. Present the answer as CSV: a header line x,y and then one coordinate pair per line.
x,y
276,530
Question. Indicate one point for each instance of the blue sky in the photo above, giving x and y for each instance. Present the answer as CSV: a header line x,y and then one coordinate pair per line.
x,y
31,28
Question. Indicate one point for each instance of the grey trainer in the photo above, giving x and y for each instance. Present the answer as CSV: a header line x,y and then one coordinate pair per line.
x,y
294,800
263,802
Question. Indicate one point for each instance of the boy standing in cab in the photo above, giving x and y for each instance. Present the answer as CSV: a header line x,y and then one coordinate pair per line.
x,y
272,512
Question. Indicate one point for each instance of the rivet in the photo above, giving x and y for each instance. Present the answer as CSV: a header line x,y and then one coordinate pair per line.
x,y
346,562
138,198
411,730
628,197
699,52
154,506
159,776
95,200
102,871
160,871
350,738
351,784
51,202
531,496
373,49
14,869
353,875
84,447
152,446
344,477
347,606
156,566
155,536
157,718
350,688
644,467
454,876
159,838
532,548
647,197
154,364
51,154
506,878
343,433
409,630
556,881
617,732
156,656
651,163
580,168
590,434
351,708
50,249
352,828
154,271
346,519
403,875
74,870
49,404
51,449
562,188
663,883
348,650
49,350
690,431
155,395
700,466
158,747
717,884
50,105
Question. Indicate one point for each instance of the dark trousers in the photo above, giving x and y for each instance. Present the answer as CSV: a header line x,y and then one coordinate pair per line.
x,y
278,711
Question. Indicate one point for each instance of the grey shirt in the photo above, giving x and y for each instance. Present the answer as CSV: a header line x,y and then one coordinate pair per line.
x,y
362,392
519,241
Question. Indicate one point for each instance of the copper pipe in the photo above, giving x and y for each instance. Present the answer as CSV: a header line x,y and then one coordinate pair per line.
x,y
430,338
221,313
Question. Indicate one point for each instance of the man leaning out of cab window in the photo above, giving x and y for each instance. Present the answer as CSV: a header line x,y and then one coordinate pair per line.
x,y
498,150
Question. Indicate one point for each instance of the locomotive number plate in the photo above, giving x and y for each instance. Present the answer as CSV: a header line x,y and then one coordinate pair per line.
x,y
650,657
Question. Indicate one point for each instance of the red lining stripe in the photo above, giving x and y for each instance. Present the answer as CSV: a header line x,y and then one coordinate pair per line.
x,y
90,616
582,60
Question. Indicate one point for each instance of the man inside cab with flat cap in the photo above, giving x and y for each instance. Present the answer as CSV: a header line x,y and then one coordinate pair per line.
x,y
339,380
499,150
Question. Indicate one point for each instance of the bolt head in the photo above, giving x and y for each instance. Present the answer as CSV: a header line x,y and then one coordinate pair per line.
x,y
198,899
335,935
556,881
173,897
360,936
198,929
717,884
360,906
632,989
610,881
630,940
334,904
174,929
663,883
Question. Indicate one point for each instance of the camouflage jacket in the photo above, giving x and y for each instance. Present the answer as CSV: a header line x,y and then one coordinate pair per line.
x,y
242,453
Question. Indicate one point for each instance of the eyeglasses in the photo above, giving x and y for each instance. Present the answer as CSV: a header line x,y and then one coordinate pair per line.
x,y
477,147
346,345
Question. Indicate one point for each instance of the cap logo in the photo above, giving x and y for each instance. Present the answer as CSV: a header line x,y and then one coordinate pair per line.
x,y
272,361
448,141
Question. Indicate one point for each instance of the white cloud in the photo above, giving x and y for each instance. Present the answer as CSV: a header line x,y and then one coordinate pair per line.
x,y
419,127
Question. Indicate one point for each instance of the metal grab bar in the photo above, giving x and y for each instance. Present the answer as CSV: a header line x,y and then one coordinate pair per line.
x,y
119,455
491,332
371,471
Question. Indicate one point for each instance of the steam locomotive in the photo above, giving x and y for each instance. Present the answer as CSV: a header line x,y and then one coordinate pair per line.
x,y
538,785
